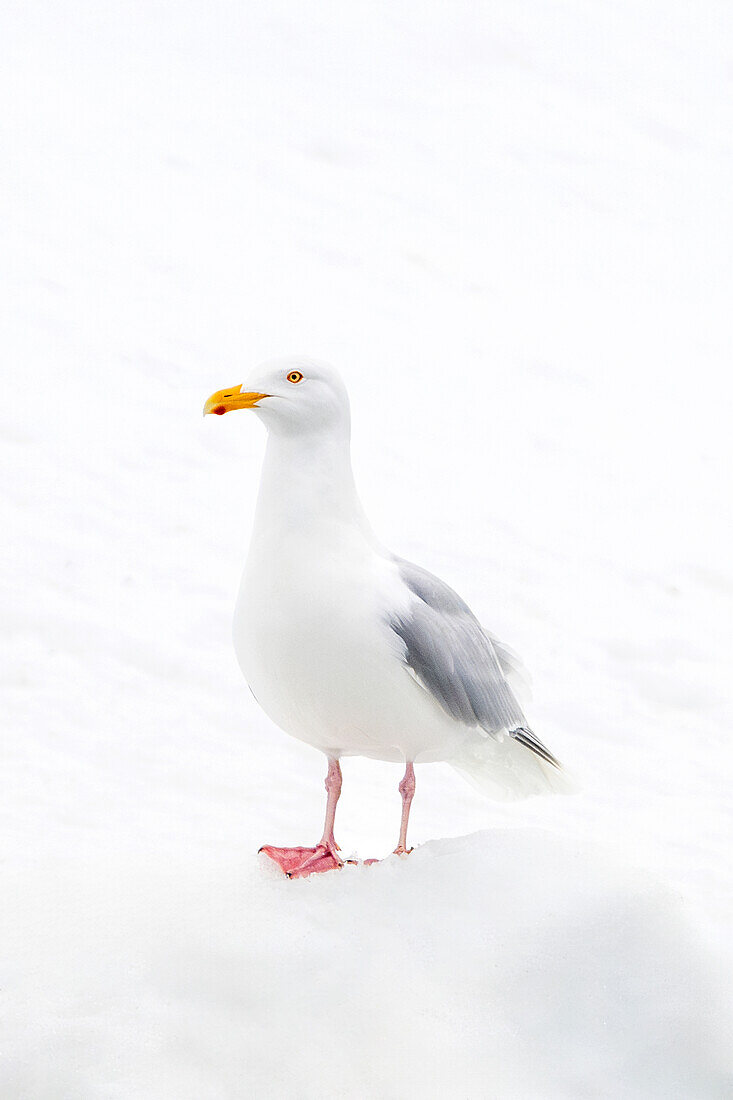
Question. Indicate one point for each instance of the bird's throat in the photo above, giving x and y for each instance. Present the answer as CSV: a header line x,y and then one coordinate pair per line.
x,y
307,485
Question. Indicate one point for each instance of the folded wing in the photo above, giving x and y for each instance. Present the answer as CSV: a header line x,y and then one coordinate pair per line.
x,y
455,660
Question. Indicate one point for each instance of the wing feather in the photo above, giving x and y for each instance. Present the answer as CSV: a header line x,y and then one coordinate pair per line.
x,y
458,662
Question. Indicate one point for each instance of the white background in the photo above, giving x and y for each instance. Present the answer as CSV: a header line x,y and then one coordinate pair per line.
x,y
510,226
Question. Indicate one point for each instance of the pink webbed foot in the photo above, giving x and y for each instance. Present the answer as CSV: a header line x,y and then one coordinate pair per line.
x,y
287,859
301,862
324,857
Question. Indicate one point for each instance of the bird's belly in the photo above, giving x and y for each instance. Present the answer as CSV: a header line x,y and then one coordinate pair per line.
x,y
328,670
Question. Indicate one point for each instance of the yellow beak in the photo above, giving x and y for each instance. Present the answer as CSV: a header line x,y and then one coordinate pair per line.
x,y
223,401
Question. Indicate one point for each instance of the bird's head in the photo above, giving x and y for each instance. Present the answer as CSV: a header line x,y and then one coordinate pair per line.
x,y
291,396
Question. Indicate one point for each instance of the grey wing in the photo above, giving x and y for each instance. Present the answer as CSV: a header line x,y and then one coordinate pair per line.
x,y
456,660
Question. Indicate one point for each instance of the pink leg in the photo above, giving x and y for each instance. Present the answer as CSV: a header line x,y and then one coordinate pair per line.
x,y
333,793
299,862
407,790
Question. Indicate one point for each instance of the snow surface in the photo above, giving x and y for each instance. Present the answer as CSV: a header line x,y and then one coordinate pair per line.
x,y
511,227
510,963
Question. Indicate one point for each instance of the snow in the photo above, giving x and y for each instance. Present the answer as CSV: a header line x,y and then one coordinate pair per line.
x,y
510,226
448,974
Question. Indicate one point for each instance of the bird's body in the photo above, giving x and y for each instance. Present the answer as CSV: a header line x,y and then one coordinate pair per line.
x,y
344,645
312,630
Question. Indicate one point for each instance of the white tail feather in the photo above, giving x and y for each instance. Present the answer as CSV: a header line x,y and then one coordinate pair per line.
x,y
505,770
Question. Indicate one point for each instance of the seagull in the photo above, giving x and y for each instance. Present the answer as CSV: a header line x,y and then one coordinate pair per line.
x,y
347,646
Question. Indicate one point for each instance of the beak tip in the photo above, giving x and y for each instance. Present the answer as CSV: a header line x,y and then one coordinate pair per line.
x,y
225,400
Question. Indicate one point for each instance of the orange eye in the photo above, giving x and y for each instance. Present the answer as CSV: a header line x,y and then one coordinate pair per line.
x,y
295,376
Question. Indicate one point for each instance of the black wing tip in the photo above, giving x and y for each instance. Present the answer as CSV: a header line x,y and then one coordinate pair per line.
x,y
525,737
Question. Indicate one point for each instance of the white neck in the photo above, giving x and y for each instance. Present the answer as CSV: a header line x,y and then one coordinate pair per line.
x,y
307,485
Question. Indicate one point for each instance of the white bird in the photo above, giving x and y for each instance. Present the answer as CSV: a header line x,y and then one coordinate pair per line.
x,y
345,645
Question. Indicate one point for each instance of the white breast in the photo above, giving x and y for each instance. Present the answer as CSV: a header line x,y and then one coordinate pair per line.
x,y
313,639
